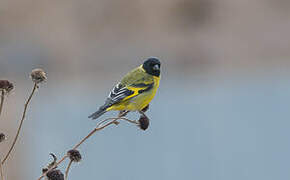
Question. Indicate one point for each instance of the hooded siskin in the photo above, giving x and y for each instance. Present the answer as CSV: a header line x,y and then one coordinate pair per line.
x,y
135,91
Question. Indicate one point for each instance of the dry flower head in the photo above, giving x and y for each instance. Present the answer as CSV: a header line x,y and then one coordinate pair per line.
x,y
2,137
143,122
74,155
6,86
38,76
54,174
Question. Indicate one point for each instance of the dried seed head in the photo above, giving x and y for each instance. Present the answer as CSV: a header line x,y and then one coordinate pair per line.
x,y
44,170
38,76
2,137
143,122
53,162
6,86
74,155
54,174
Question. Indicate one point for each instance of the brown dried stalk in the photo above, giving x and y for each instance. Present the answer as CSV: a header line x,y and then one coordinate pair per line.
x,y
67,169
1,171
98,128
2,100
1,107
21,123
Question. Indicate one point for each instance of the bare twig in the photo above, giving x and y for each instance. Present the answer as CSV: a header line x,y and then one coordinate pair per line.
x,y
98,128
1,171
92,132
118,118
67,169
21,122
1,107
2,100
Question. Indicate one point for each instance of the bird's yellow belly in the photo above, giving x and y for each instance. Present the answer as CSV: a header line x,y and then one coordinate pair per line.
x,y
140,102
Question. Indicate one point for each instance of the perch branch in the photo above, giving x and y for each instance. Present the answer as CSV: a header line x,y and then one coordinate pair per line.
x,y
98,128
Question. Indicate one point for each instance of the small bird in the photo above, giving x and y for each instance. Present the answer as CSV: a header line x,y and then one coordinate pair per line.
x,y
135,91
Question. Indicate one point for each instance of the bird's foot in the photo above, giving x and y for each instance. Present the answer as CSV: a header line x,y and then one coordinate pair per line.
x,y
123,113
145,108
116,122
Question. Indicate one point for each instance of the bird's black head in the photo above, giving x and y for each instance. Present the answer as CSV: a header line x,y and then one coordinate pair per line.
x,y
152,66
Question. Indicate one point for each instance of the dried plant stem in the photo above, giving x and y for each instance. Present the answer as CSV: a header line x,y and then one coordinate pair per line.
x,y
98,128
21,122
1,107
67,169
117,118
1,171
2,100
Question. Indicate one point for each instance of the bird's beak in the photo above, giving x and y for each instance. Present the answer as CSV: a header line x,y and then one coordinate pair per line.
x,y
156,67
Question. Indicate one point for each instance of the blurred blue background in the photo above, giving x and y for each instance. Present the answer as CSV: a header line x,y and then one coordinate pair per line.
x,y
222,109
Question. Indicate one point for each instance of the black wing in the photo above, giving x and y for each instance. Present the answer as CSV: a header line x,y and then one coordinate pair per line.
x,y
118,93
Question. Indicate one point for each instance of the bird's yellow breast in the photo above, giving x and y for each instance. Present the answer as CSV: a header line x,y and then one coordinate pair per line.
x,y
138,102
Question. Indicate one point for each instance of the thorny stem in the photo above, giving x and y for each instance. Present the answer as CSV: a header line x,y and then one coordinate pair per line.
x,y
67,169
98,128
21,122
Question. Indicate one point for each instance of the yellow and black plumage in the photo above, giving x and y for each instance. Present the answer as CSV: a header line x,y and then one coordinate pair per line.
x,y
135,91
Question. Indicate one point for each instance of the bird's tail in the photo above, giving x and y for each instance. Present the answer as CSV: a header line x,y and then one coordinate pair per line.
x,y
102,110
98,113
